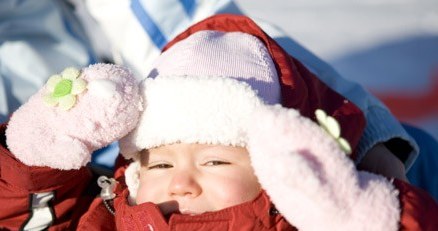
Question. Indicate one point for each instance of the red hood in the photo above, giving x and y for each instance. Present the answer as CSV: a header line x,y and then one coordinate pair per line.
x,y
300,89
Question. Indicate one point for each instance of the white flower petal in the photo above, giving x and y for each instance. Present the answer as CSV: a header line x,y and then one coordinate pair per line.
x,y
333,127
52,81
321,116
79,85
345,146
70,73
49,100
67,102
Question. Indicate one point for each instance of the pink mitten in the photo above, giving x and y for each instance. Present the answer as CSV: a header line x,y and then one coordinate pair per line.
x,y
310,179
74,114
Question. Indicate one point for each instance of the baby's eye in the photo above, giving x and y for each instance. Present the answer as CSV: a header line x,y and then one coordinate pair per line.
x,y
216,162
160,166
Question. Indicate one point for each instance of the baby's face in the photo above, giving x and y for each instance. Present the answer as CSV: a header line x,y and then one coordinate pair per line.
x,y
196,178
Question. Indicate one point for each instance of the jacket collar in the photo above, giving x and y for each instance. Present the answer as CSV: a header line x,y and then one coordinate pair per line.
x,y
258,214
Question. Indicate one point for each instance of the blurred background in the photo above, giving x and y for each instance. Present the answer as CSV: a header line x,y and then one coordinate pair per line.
x,y
389,46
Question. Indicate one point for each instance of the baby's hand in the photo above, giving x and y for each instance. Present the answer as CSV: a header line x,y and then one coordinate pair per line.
x,y
310,179
381,160
74,114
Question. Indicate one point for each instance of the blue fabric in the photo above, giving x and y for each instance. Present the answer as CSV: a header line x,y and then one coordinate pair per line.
x,y
424,171
189,6
106,157
37,39
148,24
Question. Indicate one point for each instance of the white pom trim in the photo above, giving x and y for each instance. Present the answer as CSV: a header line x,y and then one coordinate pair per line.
x,y
132,179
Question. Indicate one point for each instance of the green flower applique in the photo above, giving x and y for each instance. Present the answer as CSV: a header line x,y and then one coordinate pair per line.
x,y
332,127
64,88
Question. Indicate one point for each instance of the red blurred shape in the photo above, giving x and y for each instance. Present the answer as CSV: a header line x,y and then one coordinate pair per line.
x,y
410,107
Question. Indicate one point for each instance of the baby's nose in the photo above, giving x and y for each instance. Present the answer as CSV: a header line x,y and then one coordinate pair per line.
x,y
184,184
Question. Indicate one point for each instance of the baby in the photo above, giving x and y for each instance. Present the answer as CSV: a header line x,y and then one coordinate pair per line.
x,y
214,142
233,134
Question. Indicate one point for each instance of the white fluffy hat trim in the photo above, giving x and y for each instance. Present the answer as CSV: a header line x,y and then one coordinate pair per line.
x,y
192,109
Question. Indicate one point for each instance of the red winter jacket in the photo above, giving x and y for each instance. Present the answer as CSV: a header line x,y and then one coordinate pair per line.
x,y
64,199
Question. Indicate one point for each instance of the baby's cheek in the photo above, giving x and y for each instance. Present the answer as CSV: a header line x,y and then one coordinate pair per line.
x,y
149,191
142,195
236,192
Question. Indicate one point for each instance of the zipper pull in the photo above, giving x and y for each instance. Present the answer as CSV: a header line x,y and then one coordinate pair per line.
x,y
107,185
